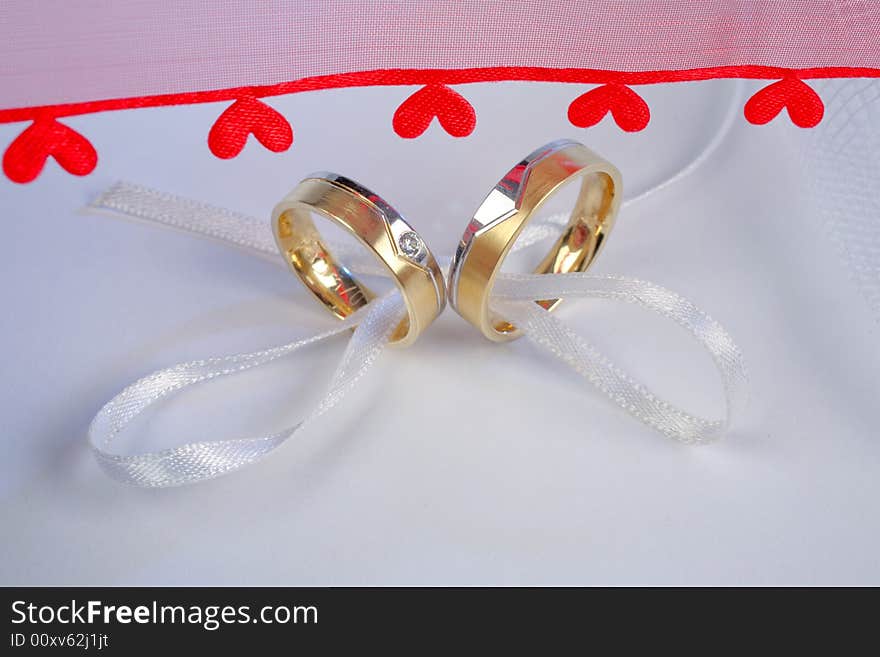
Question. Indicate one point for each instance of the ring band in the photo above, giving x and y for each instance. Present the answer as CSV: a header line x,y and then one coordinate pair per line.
x,y
504,213
380,228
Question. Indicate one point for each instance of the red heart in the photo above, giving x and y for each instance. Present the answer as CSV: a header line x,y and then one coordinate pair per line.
x,y
629,110
244,117
803,104
26,156
455,114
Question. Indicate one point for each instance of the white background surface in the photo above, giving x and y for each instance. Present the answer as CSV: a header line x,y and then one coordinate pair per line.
x,y
457,461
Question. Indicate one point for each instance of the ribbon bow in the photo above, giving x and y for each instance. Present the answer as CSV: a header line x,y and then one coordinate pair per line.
x,y
512,297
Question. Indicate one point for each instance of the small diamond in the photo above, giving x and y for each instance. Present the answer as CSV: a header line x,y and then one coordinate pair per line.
x,y
410,244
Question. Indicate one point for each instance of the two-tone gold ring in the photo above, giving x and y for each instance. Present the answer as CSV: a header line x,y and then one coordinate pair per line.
x,y
378,227
488,239
507,209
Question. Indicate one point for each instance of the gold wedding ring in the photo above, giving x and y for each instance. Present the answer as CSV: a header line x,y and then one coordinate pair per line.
x,y
377,226
504,213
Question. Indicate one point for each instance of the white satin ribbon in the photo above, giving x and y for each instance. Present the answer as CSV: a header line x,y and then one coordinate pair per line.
x,y
514,294
203,460
513,297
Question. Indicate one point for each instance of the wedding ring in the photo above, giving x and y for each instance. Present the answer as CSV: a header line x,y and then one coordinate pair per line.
x,y
377,226
504,213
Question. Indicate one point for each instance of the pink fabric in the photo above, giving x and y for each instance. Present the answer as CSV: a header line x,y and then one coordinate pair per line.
x,y
60,51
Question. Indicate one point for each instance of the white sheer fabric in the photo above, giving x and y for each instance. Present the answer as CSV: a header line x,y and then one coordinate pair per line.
x,y
842,163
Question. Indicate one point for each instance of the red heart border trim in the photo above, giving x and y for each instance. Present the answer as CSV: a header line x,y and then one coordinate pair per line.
x,y
805,107
455,114
249,116
27,154
629,110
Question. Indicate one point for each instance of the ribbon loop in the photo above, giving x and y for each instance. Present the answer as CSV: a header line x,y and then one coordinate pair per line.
x,y
515,294
198,461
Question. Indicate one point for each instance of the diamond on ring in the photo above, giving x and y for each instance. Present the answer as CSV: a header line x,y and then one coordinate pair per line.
x,y
411,245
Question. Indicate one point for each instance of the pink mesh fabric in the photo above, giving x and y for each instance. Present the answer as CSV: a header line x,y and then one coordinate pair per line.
x,y
56,51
